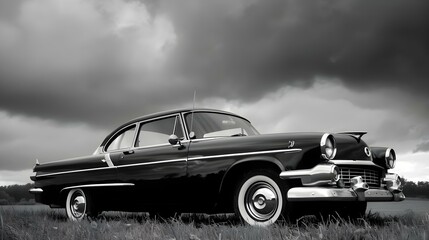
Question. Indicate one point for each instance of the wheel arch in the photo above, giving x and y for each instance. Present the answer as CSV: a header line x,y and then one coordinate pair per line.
x,y
63,193
76,204
236,170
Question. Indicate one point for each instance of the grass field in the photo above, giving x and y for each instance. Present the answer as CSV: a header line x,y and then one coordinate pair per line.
x,y
48,224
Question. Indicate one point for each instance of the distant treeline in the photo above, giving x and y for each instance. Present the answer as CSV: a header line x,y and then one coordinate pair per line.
x,y
418,190
18,194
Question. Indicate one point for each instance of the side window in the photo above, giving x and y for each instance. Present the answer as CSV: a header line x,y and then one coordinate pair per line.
x,y
123,140
158,131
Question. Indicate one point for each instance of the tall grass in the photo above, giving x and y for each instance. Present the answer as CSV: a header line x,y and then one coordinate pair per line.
x,y
48,224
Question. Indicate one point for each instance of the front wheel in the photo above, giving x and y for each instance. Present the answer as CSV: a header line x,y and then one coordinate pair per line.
x,y
258,199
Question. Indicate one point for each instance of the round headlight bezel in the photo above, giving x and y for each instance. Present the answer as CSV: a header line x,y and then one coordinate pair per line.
x,y
328,146
390,158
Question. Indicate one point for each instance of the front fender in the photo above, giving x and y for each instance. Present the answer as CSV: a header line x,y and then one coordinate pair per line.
x,y
249,163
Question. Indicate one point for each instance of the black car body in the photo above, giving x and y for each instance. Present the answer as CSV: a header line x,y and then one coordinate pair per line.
x,y
210,161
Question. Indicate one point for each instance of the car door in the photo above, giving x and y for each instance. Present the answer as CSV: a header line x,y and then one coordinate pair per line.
x,y
215,147
157,168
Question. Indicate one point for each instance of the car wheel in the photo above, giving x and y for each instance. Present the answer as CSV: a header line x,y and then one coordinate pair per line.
x,y
258,199
76,204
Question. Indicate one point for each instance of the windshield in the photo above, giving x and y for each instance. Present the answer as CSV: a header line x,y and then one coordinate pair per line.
x,y
210,125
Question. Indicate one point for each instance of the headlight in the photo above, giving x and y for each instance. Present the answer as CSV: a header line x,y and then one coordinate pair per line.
x,y
328,146
384,157
390,157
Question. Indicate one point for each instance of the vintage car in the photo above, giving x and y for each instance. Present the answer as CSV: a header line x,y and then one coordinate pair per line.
x,y
210,161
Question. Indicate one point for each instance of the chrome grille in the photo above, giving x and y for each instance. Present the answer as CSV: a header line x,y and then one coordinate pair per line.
x,y
370,176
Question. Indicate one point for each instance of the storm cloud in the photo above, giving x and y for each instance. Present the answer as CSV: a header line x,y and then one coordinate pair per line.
x,y
87,56
81,68
257,46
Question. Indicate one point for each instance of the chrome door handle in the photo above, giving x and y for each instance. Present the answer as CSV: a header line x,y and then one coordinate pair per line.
x,y
128,152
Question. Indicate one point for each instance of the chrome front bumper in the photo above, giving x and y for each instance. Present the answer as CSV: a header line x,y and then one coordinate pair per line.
x,y
322,183
341,194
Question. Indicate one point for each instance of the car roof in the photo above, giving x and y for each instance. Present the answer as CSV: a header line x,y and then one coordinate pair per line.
x,y
183,110
165,113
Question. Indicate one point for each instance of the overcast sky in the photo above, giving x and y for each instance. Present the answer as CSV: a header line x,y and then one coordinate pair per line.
x,y
73,70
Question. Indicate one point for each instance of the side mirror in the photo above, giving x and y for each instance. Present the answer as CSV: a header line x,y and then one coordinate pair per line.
x,y
192,135
173,139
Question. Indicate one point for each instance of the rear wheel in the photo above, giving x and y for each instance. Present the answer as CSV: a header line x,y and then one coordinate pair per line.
x,y
259,200
79,205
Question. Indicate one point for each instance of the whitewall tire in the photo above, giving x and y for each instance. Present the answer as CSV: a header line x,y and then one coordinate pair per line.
x,y
76,204
259,201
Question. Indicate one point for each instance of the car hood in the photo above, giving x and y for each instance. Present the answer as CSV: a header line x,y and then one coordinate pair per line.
x,y
308,144
350,147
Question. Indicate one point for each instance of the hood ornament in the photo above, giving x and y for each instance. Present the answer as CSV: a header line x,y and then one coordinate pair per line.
x,y
357,134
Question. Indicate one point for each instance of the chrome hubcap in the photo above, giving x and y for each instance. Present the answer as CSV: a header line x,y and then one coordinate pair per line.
x,y
78,205
261,201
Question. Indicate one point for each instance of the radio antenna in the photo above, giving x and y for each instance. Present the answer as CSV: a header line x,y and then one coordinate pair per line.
x,y
191,133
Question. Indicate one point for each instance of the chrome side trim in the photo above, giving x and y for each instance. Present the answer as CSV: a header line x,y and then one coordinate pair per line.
x,y
153,146
152,163
74,171
35,190
172,160
206,139
100,185
119,166
293,150
157,145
